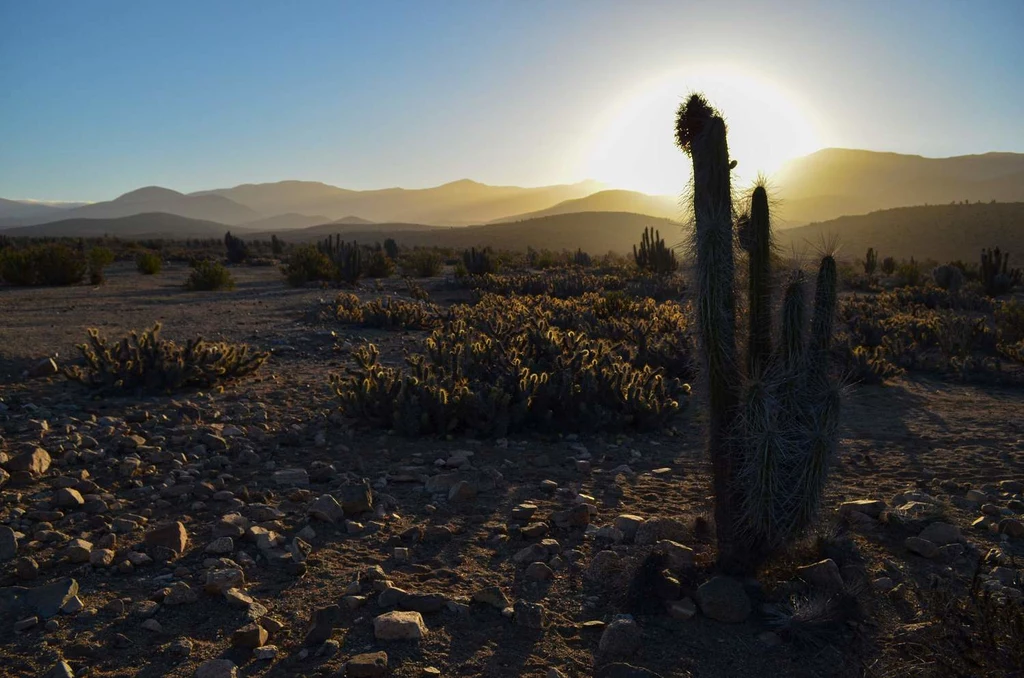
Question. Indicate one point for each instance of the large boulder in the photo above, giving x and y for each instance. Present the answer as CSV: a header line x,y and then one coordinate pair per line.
x,y
724,599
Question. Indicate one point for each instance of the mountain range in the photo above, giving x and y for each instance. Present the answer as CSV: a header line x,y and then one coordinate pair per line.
x,y
815,189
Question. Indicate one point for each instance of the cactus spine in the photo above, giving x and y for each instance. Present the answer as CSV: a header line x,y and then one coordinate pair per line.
x,y
772,426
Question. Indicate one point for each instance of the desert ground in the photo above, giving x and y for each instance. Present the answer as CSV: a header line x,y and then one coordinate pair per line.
x,y
189,534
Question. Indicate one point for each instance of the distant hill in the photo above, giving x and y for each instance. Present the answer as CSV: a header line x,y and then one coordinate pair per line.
x,y
594,232
940,232
662,206
21,209
151,225
153,199
835,182
352,220
285,222
453,204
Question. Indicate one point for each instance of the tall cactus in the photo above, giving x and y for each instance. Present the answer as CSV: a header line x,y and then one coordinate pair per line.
x,y
653,255
773,416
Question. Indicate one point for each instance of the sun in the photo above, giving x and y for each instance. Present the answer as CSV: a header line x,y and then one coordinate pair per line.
x,y
632,146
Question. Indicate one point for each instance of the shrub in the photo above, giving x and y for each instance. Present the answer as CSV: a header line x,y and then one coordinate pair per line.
x,y
209,275
307,264
378,265
238,251
479,262
99,258
948,277
391,248
51,264
909,274
276,246
148,362
149,263
423,263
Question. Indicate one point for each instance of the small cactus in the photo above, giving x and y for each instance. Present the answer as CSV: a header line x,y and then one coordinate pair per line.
x,y
653,255
996,276
871,261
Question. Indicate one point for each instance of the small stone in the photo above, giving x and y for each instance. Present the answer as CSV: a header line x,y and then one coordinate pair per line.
x,y
682,609
327,509
462,491
356,498
367,665
493,596
822,575
49,599
921,547
152,625
724,599
101,557
265,653
217,668
180,593
524,512
182,647
941,533
1011,527
291,477
34,462
621,638
399,625
221,546
249,637
576,516
539,572
529,615
678,556
603,566
869,507
173,536
67,497
328,649
321,624
8,543
60,670
401,554
78,551
220,580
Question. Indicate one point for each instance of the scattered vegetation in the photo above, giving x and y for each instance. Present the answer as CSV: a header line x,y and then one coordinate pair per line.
x,y
423,263
98,259
145,361
997,278
149,263
51,264
479,262
207,276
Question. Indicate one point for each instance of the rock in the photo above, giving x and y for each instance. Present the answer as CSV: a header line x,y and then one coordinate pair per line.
x,y
173,537
78,551
180,593
217,668
655,529
34,462
534,530
524,512
1013,486
67,497
529,615
367,665
941,533
921,547
823,575
399,626
682,609
724,599
1008,526
221,546
357,498
530,554
101,557
265,653
327,509
462,491
48,600
321,624
152,625
291,477
493,596
869,507
576,516
26,568
621,638
220,580
60,670
249,637
8,543
603,566
539,572
4,477
678,556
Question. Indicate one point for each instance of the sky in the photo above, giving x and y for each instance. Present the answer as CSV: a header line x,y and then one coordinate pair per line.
x,y
99,98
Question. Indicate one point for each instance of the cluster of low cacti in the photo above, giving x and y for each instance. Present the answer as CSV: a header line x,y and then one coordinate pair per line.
x,y
50,264
346,257
773,413
512,363
997,277
870,261
653,256
145,361
415,291
386,313
559,283
479,262
237,250
378,265
422,263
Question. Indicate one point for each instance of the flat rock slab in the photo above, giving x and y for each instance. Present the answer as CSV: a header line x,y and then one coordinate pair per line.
x,y
399,625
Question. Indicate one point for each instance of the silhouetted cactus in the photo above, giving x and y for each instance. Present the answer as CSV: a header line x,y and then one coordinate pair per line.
x,y
581,259
870,261
997,277
948,277
479,262
238,251
771,426
888,266
276,246
653,255
347,258
391,248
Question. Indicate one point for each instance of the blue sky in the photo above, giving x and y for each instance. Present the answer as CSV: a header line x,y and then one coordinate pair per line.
x,y
98,98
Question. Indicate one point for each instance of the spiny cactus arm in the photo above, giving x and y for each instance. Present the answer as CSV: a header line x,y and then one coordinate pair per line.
x,y
759,345
791,331
823,320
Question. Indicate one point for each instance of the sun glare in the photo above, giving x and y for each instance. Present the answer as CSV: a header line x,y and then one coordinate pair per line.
x,y
633,148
